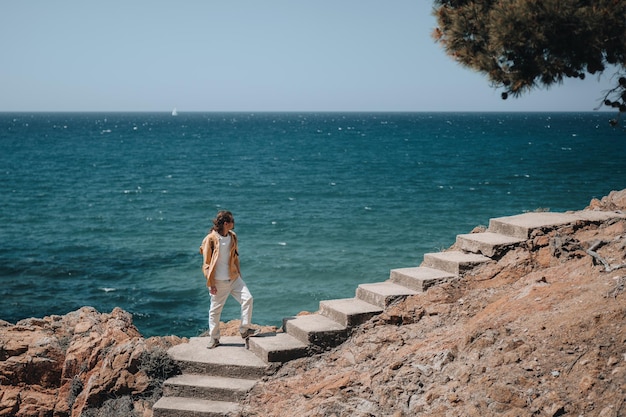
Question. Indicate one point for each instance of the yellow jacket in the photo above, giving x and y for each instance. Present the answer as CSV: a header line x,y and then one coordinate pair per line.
x,y
210,251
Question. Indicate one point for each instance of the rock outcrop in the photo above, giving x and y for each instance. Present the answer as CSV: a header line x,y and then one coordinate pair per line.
x,y
76,364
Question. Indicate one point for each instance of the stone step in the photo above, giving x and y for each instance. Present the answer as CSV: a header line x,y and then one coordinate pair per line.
x,y
230,359
454,262
316,330
278,347
382,294
419,278
487,243
193,407
349,312
522,225
215,388
593,216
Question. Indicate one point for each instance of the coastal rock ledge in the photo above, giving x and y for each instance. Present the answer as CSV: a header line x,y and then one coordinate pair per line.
x,y
539,332
84,363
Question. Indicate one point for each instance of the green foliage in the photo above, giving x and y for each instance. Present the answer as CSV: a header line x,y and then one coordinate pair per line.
x,y
524,44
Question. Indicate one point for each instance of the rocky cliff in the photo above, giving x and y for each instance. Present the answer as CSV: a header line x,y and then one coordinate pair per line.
x,y
542,332
82,364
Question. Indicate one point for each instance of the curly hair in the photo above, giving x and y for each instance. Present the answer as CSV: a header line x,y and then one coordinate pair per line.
x,y
222,217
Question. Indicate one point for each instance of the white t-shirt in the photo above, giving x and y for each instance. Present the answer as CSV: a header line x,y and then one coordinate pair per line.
x,y
222,272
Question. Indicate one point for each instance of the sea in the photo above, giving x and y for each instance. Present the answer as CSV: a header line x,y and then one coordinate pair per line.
x,y
109,209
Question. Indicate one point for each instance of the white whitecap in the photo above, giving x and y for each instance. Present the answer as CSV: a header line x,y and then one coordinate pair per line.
x,y
282,243
108,289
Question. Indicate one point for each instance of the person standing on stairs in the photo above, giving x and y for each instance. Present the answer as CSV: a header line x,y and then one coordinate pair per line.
x,y
223,276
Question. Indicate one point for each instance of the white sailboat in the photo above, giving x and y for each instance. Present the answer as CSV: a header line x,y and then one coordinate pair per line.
x,y
174,112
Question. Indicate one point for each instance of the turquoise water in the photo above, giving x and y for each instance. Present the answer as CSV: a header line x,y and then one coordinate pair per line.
x,y
109,209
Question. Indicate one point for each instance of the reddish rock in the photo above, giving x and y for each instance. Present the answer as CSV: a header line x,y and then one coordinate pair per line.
x,y
616,200
61,365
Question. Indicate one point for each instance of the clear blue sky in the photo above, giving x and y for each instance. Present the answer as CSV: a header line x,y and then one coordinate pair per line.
x,y
230,55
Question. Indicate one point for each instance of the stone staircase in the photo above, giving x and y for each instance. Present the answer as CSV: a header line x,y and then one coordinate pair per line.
x,y
214,381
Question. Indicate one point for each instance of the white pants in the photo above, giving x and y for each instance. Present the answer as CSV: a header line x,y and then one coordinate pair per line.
x,y
240,292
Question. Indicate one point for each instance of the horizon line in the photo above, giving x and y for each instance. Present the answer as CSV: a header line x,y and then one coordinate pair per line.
x,y
179,112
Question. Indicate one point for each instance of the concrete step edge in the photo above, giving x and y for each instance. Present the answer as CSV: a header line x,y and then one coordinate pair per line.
x,y
315,329
487,243
207,387
522,225
382,294
454,262
280,347
349,312
210,380
230,359
419,278
193,407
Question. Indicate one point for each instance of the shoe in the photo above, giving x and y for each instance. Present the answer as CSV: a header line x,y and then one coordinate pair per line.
x,y
249,333
213,343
